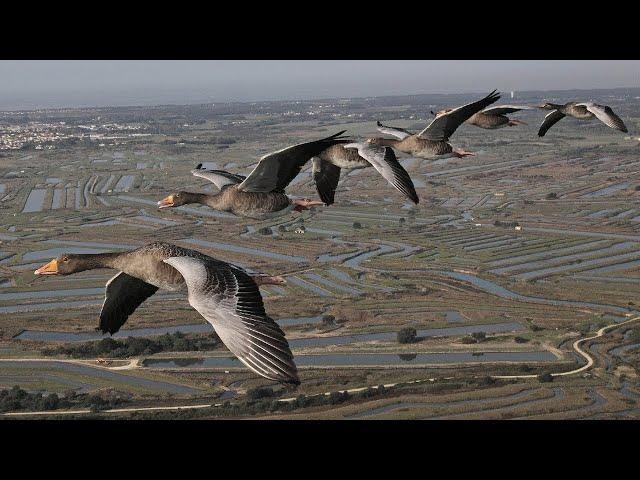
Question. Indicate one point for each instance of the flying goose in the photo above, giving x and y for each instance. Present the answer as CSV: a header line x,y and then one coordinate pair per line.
x,y
433,141
261,194
327,166
224,294
581,111
494,117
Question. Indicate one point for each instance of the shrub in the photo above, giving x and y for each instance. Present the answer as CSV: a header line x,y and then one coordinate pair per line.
x,y
328,319
545,377
479,336
132,346
521,339
357,225
407,335
260,393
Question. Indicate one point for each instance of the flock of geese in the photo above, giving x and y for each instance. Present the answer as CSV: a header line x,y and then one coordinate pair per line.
x,y
227,296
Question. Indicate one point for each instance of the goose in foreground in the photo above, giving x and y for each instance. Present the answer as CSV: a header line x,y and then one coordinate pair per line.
x,y
327,166
433,141
261,194
494,117
581,111
224,294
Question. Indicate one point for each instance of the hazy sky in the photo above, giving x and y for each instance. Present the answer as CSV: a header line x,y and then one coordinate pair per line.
x,y
32,84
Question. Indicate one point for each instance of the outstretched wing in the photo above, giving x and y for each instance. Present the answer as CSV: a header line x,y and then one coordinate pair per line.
x,y
443,126
326,177
220,178
549,120
504,109
399,133
605,115
276,170
123,294
385,162
230,301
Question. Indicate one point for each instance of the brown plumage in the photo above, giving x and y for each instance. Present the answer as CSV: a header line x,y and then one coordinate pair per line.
x,y
581,111
433,141
496,117
328,164
261,194
232,298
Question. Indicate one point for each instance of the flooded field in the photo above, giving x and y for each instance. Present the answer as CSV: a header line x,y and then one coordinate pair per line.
x,y
363,359
510,257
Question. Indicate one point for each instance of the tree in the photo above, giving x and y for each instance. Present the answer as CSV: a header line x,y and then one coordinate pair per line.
x,y
259,393
328,319
552,196
545,377
407,335
357,225
479,336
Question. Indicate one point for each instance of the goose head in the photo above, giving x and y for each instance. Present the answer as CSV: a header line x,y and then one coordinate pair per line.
x,y
176,200
65,264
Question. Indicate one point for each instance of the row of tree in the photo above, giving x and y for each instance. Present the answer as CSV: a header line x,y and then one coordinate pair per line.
x,y
135,346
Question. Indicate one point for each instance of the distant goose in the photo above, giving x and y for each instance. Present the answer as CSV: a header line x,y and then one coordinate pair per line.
x,y
581,111
224,294
261,194
327,166
494,117
433,141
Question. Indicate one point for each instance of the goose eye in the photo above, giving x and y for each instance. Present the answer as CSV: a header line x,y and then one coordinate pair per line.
x,y
177,195
65,259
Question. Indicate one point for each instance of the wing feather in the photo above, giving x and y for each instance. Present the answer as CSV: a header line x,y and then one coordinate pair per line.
x,y
549,120
443,126
123,294
230,300
504,109
276,170
385,162
326,177
220,178
605,115
399,133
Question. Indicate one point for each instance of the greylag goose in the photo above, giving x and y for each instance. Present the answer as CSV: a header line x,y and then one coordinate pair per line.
x,y
433,141
261,194
494,117
224,294
327,166
581,111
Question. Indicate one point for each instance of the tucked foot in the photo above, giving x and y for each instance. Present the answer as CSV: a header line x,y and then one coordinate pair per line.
x,y
305,204
268,280
460,153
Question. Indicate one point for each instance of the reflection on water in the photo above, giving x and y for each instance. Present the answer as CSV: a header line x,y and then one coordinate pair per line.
x,y
34,201
247,250
496,289
607,190
49,336
372,359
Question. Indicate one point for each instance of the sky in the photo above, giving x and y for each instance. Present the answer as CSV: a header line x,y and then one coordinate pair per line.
x,y
82,83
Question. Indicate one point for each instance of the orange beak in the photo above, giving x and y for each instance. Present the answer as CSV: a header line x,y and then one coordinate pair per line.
x,y
50,268
166,202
